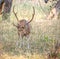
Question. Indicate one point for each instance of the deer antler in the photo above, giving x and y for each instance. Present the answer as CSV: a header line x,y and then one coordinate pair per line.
x,y
15,13
32,15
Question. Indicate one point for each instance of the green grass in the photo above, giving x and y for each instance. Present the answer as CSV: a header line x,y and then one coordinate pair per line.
x,y
42,36
40,39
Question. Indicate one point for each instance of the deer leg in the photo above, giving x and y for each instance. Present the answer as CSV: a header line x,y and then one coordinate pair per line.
x,y
28,44
19,42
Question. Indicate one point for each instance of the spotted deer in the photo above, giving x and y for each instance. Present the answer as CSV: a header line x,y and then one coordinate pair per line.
x,y
23,26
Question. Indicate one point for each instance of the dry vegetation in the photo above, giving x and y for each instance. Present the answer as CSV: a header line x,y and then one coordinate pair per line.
x,y
43,36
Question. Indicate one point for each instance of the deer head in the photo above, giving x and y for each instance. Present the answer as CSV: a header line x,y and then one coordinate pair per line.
x,y
23,25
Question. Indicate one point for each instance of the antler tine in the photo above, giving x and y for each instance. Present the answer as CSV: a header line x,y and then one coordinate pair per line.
x,y
32,14
15,13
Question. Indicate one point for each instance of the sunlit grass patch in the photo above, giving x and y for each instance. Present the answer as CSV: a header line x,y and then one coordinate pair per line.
x,y
34,56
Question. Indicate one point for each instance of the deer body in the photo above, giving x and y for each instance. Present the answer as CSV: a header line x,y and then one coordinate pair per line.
x,y
23,28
